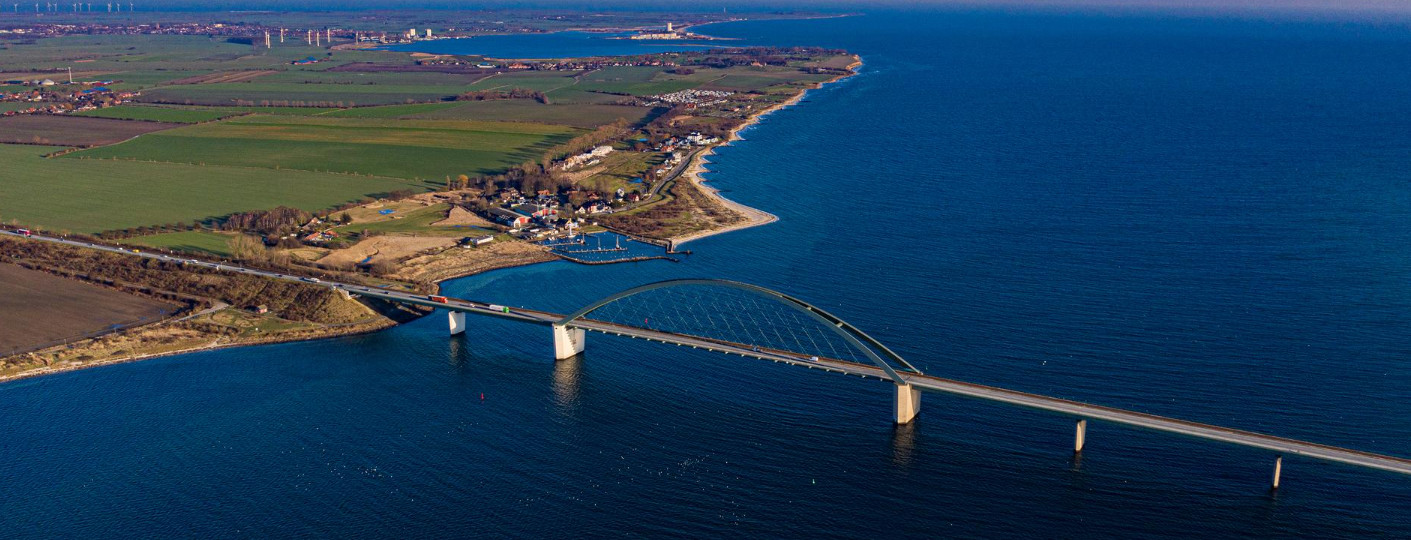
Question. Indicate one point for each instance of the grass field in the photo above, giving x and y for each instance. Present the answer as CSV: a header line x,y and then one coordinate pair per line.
x,y
72,130
619,168
353,78
38,309
90,195
543,81
159,114
390,111
195,242
416,222
410,149
584,115
260,92
641,81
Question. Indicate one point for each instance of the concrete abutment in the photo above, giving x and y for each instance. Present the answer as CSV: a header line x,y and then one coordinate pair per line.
x,y
568,341
907,404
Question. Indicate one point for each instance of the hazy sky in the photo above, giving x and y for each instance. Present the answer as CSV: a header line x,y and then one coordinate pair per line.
x,y
1364,7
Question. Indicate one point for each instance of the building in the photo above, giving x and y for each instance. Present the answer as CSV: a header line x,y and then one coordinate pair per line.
x,y
536,210
509,217
471,241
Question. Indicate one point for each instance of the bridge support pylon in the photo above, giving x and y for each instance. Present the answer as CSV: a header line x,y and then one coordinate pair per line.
x,y
907,404
1081,438
1278,469
568,341
457,321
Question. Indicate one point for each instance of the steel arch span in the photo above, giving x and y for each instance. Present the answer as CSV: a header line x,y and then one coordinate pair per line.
x,y
872,349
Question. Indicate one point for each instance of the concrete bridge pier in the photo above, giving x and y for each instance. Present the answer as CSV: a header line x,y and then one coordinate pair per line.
x,y
1081,437
907,404
568,342
1278,468
457,321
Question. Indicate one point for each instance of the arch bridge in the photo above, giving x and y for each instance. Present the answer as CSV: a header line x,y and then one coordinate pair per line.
x,y
751,321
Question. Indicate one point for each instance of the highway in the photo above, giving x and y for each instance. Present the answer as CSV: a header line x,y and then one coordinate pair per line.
x,y
1080,410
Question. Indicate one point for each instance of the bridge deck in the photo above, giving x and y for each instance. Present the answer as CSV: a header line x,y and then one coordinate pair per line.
x,y
923,382
930,383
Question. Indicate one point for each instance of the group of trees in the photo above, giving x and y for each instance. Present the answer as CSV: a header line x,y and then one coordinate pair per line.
x,y
513,93
280,221
266,103
744,56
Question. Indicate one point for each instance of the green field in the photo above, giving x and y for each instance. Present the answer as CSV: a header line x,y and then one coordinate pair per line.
x,y
391,111
90,195
543,81
304,76
585,115
641,81
197,242
411,149
159,114
415,223
262,93
619,168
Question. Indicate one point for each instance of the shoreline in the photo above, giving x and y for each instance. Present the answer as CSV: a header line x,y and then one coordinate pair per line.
x,y
374,326
754,217
212,346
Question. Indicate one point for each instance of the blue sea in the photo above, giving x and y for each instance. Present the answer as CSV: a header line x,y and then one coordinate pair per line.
x,y
1189,215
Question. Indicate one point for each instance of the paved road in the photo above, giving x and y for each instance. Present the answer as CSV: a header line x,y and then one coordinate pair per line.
x,y
924,382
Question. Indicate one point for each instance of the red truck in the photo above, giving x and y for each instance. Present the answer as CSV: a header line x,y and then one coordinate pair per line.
x,y
24,232
438,299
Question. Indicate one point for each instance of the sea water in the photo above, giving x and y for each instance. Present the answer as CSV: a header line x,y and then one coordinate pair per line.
x,y
1188,215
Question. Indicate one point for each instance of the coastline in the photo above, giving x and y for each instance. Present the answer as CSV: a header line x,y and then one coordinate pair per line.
x,y
754,217
213,345
695,169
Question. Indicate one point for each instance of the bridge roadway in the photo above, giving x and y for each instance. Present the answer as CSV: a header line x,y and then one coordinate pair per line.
x,y
930,383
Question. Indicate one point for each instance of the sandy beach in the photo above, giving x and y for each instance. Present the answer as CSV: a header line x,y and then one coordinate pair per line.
x,y
753,216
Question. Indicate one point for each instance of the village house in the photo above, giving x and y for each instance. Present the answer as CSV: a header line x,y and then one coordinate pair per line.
x,y
472,241
509,217
536,210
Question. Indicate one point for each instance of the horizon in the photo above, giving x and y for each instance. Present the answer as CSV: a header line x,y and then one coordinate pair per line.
x,y
1355,11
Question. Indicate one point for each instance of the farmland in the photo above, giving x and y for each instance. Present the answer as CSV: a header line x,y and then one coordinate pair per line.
x,y
331,95
160,114
543,81
89,195
410,149
221,126
38,309
72,131
415,110
196,242
584,115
